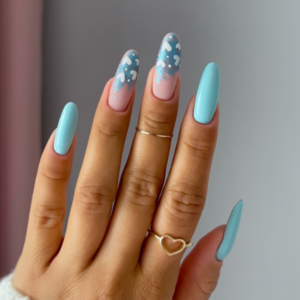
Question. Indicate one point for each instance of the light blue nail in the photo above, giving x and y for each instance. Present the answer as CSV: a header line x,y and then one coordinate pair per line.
x,y
207,94
66,128
230,231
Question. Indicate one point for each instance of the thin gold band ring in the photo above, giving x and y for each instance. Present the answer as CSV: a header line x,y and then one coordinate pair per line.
x,y
154,134
182,242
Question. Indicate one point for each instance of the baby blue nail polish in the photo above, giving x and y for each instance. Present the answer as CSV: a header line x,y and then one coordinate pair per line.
x,y
207,94
66,128
230,231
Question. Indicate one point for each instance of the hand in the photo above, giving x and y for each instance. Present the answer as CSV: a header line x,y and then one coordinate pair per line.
x,y
109,256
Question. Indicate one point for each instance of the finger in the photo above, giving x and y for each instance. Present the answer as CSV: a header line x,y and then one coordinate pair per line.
x,y
48,207
97,182
200,271
184,194
144,173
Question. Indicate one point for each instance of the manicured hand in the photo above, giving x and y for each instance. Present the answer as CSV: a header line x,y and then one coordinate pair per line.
x,y
105,253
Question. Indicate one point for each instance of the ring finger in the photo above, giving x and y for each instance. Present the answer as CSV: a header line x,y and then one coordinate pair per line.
x,y
185,192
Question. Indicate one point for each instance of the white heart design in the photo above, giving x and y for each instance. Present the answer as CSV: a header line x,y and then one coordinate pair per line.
x,y
167,46
178,46
133,73
177,60
161,63
121,76
127,61
137,62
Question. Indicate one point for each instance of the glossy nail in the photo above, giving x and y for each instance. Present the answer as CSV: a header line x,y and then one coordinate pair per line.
x,y
207,94
66,128
230,231
124,81
167,66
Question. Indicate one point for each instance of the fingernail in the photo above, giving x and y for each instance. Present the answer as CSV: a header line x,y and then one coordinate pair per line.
x,y
167,66
207,94
66,128
124,81
230,231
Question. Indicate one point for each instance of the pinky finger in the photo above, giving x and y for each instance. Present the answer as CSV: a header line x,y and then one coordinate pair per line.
x,y
200,270
48,206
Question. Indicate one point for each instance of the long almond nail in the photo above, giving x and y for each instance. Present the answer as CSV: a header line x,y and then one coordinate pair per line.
x,y
66,128
124,81
167,66
230,231
207,94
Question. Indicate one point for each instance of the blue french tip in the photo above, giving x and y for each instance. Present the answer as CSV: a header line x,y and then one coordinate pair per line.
x,y
230,231
207,94
66,128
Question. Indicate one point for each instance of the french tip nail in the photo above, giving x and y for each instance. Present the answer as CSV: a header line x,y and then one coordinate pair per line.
x,y
167,67
207,94
66,128
124,81
230,231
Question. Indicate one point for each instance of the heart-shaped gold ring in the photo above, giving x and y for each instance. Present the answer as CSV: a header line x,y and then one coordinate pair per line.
x,y
174,240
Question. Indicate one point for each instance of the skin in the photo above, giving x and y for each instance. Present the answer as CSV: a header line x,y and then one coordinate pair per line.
x,y
103,257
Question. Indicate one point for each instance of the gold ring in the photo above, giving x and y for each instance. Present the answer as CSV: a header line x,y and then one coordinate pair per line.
x,y
154,134
167,236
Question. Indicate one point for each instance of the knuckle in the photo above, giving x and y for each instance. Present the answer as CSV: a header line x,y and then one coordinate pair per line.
x,y
184,202
94,199
50,216
111,293
207,287
68,288
142,187
158,121
113,288
55,171
199,146
148,288
109,130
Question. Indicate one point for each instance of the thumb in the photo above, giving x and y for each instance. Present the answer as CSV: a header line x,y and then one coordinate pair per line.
x,y
200,271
